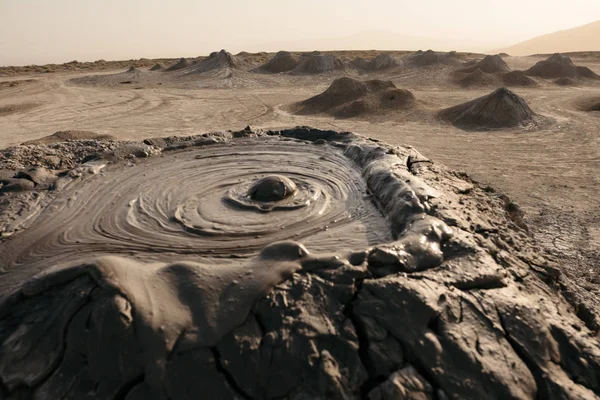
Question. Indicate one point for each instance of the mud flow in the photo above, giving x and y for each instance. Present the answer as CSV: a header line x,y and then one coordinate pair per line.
x,y
289,264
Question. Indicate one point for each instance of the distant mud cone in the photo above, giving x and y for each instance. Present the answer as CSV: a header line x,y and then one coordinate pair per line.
x,y
430,57
316,63
559,66
182,63
477,78
157,67
565,82
283,61
518,78
347,98
379,63
590,104
499,109
221,60
490,64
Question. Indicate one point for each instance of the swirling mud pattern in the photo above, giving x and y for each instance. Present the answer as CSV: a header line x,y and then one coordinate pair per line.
x,y
211,202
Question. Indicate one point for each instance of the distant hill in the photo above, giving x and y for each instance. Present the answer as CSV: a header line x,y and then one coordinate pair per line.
x,y
582,38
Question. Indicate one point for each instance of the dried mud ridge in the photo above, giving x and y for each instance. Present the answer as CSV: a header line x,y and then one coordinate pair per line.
x,y
458,304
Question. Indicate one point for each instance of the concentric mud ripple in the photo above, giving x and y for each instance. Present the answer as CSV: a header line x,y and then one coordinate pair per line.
x,y
196,202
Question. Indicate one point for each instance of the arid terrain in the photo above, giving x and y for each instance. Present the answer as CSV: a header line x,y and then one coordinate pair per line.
x,y
550,170
536,142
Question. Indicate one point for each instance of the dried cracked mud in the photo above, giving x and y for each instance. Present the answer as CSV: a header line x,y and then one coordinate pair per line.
x,y
277,264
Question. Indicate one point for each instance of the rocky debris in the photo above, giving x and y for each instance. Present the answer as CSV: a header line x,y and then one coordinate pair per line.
x,y
461,306
430,57
317,63
379,63
283,61
559,66
347,97
477,78
406,384
518,78
217,61
489,64
181,64
64,136
499,109
55,156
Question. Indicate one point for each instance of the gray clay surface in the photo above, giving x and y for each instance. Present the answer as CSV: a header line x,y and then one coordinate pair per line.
x,y
145,271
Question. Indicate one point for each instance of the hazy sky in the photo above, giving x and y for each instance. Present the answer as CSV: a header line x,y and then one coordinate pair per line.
x,y
45,31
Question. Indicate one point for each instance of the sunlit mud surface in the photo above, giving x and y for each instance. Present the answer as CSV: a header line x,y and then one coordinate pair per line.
x,y
290,264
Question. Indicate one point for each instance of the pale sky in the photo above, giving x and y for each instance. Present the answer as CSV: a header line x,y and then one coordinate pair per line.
x,y
57,31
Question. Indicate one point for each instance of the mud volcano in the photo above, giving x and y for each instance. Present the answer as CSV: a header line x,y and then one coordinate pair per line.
x,y
477,78
379,63
217,61
157,67
490,65
500,109
283,61
181,64
317,63
430,57
565,82
518,78
168,278
347,97
559,66
590,104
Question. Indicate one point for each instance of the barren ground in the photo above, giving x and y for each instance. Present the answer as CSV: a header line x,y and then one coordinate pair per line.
x,y
551,170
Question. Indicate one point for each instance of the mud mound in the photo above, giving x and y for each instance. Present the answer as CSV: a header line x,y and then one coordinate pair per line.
x,y
283,61
500,109
477,78
157,67
430,57
590,104
490,64
181,64
63,136
347,97
379,63
518,78
566,82
193,291
317,63
10,109
559,66
133,70
217,61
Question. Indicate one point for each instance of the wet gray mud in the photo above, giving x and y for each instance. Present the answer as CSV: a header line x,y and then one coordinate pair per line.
x,y
294,264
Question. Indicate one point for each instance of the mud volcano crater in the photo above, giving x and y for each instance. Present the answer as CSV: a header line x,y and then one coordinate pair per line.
x,y
287,264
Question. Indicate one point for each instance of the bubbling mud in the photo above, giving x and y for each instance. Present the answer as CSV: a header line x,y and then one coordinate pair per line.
x,y
222,201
